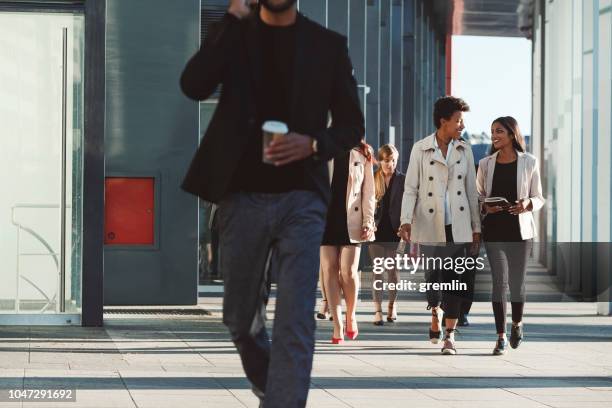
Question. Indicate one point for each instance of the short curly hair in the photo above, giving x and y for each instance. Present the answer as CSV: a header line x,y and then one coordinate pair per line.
x,y
446,106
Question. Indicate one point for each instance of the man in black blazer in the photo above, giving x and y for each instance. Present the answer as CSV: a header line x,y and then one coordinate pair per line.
x,y
272,63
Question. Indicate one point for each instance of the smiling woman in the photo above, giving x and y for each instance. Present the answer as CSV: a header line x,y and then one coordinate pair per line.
x,y
509,231
440,206
505,131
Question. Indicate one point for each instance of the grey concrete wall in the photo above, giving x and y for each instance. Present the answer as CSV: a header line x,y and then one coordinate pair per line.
x,y
373,67
384,115
397,71
315,10
424,55
152,130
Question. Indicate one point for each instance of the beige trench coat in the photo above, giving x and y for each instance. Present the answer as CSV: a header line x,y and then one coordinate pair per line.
x,y
427,179
360,196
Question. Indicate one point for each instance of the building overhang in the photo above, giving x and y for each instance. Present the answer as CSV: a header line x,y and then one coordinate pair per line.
x,y
497,18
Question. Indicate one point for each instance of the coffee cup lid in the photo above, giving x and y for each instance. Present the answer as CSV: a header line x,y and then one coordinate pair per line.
x,y
273,126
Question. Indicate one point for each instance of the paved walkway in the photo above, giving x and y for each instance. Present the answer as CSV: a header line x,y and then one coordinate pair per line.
x,y
164,360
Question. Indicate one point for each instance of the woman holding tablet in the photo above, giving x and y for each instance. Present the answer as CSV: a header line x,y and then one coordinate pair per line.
x,y
510,190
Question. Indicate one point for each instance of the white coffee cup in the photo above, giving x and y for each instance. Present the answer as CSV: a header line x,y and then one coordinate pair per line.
x,y
272,130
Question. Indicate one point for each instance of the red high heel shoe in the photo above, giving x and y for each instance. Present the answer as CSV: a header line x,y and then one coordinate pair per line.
x,y
351,334
337,340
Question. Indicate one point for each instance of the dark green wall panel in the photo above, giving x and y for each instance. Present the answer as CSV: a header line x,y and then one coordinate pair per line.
x,y
152,130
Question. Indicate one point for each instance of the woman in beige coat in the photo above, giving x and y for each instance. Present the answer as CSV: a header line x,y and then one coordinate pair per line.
x,y
350,221
440,209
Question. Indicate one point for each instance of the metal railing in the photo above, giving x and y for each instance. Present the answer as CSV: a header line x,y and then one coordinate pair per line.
x,y
57,257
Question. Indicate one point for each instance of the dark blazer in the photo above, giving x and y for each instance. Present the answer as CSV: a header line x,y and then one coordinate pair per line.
x,y
322,83
395,201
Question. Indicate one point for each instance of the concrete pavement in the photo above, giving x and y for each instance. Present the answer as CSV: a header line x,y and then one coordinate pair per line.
x,y
164,359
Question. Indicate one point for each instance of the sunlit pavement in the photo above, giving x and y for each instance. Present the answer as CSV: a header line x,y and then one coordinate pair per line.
x,y
168,360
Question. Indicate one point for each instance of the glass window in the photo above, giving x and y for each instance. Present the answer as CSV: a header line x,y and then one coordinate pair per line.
x,y
41,111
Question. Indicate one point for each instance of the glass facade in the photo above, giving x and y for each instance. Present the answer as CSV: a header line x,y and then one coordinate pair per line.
x,y
41,166
572,108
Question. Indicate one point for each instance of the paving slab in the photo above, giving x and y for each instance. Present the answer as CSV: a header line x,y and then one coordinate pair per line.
x,y
188,361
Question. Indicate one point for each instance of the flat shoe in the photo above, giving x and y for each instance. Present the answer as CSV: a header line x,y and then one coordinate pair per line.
x,y
516,336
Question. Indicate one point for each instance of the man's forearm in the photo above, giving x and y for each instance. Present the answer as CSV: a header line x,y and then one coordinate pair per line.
x,y
205,69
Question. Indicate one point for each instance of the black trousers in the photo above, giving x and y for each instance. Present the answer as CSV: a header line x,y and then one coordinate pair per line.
x,y
508,268
452,301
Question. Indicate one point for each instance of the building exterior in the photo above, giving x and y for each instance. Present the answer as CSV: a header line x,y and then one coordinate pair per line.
x,y
572,71
97,136
52,139
572,78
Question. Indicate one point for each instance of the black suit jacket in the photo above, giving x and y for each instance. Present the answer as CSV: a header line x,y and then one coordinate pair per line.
x,y
323,83
395,201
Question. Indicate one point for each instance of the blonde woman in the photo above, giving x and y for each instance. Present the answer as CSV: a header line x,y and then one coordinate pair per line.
x,y
389,189
512,174
350,221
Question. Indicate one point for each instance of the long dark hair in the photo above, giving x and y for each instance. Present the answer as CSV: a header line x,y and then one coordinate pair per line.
x,y
512,127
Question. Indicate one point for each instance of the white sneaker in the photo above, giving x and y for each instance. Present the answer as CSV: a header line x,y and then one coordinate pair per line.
x,y
449,347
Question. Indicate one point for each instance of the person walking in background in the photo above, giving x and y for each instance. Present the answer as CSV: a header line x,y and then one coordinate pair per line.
x,y
209,243
350,221
389,189
274,65
440,208
323,313
510,190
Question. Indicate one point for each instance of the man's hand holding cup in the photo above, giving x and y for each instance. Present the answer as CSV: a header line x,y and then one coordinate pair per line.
x,y
281,147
